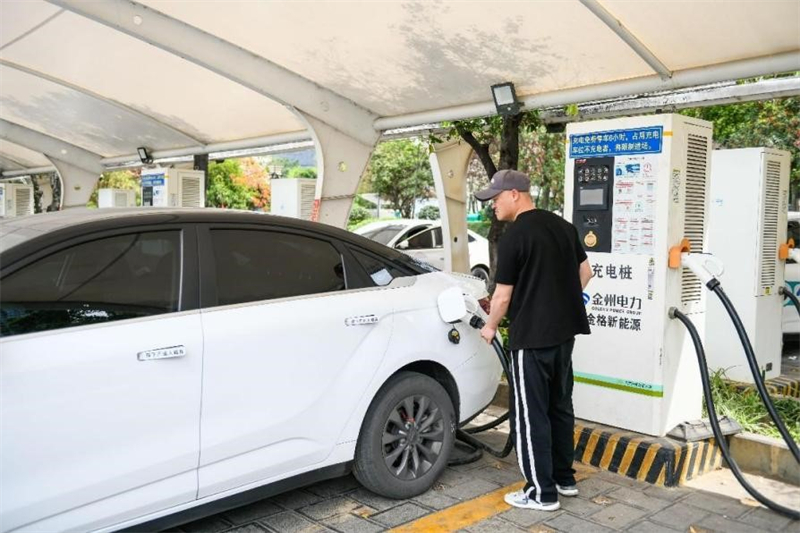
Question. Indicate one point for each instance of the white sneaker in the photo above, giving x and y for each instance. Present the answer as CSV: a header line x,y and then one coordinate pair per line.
x,y
518,499
567,490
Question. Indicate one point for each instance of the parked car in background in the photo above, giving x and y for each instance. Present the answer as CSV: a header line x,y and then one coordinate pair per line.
x,y
423,239
791,319
153,361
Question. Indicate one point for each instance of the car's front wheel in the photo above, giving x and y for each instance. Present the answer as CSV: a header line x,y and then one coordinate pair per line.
x,y
406,438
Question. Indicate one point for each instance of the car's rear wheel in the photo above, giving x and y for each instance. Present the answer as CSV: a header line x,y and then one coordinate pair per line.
x,y
481,272
406,438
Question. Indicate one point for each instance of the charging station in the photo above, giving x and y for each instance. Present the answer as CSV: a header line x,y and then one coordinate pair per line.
x,y
173,187
636,187
747,225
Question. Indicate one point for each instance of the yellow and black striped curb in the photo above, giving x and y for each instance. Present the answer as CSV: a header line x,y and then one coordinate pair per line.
x,y
656,460
783,385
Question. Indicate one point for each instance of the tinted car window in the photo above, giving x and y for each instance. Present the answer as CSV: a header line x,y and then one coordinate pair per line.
x,y
421,241
381,272
383,235
114,278
254,265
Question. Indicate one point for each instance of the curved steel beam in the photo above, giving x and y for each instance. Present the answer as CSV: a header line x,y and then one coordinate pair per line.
x,y
87,92
51,147
230,61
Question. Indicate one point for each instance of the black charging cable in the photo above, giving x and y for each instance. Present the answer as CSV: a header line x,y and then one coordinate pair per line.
x,y
715,286
470,445
712,417
789,294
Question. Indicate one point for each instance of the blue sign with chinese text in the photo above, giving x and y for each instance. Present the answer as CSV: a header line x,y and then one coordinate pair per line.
x,y
617,142
153,180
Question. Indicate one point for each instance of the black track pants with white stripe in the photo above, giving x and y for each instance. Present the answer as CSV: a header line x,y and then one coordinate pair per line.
x,y
543,422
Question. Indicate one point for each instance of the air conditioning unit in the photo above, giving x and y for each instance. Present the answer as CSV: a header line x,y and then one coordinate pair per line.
x,y
116,198
16,200
293,197
173,187
747,224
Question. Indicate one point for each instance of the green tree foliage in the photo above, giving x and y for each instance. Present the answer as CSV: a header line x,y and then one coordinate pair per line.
x,y
400,172
227,187
494,137
771,123
542,158
301,172
429,212
117,179
358,215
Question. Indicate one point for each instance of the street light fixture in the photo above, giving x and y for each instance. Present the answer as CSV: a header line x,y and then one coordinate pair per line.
x,y
505,99
144,155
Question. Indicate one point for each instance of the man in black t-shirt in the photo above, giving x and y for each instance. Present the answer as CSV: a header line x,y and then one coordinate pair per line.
x,y
542,270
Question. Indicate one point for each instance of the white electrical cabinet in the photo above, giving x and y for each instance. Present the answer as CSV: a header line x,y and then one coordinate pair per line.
x,y
747,224
16,200
116,198
635,187
293,197
173,187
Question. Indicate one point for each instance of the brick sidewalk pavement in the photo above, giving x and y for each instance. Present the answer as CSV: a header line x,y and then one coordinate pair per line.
x,y
608,502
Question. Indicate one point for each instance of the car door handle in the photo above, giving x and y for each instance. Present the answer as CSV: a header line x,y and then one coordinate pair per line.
x,y
169,352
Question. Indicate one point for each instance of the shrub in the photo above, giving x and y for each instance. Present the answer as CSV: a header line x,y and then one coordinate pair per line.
x,y
429,212
358,214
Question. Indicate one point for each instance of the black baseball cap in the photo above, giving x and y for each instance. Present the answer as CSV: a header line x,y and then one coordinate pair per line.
x,y
504,180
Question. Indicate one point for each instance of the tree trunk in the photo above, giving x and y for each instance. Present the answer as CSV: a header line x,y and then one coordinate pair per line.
x,y
509,159
543,202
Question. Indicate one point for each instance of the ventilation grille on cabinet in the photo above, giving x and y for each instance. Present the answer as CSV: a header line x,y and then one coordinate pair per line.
x,y
190,191
23,200
695,210
769,226
307,191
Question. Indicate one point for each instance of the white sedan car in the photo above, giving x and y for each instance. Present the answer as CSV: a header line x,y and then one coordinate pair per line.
x,y
154,361
791,319
423,239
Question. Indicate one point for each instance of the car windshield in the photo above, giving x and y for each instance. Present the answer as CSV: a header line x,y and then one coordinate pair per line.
x,y
383,235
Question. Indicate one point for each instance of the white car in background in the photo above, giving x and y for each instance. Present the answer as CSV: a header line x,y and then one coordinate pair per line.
x,y
154,361
423,239
791,319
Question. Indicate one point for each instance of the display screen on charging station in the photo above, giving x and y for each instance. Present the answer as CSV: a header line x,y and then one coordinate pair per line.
x,y
614,188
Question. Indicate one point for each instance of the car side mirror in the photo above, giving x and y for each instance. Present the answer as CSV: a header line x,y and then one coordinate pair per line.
x,y
402,245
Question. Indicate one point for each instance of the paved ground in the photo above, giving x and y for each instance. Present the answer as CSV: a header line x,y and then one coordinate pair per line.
x,y
469,498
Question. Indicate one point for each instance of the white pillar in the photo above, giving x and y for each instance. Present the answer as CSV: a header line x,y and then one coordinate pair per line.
x,y
77,184
449,162
341,161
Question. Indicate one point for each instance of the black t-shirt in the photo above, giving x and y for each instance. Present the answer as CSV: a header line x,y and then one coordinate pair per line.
x,y
540,255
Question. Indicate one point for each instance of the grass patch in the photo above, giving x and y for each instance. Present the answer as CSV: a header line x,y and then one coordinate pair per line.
x,y
746,408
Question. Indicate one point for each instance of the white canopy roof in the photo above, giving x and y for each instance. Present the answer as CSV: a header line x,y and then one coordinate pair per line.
x,y
191,76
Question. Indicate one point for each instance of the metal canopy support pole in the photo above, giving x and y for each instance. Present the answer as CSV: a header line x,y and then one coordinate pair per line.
x,y
449,163
201,163
77,184
630,39
341,161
